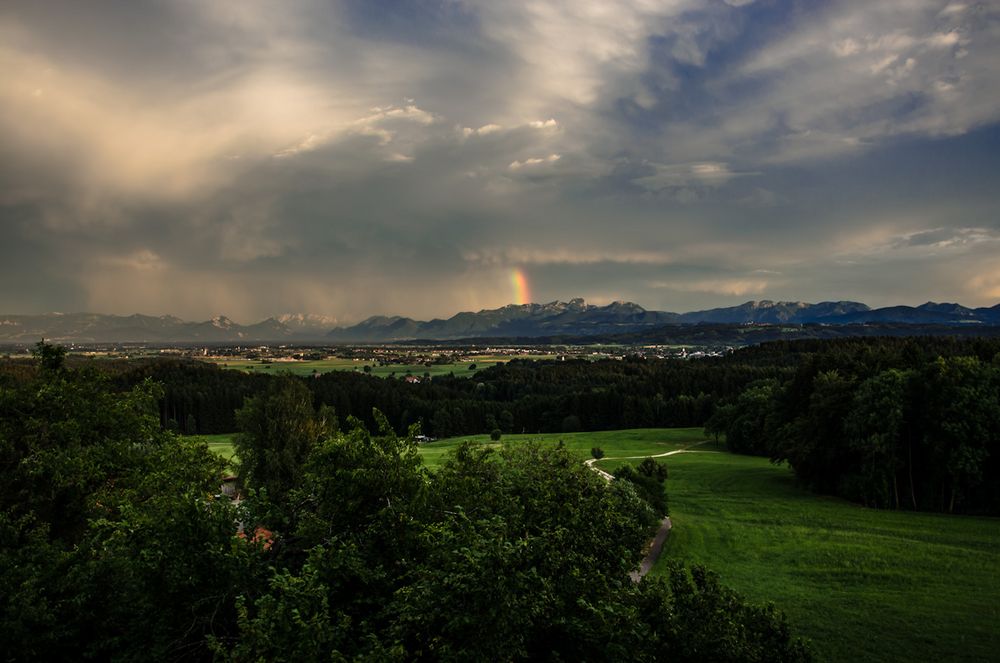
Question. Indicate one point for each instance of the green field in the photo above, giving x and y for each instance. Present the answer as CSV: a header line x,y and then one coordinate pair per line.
x,y
220,444
346,364
863,585
635,442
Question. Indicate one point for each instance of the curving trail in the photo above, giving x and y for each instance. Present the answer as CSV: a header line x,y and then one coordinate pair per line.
x,y
656,545
608,477
655,548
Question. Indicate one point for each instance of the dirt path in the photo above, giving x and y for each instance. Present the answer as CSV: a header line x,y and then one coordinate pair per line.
x,y
656,545
607,475
655,548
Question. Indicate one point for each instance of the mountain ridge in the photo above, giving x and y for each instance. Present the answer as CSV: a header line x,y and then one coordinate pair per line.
x,y
572,318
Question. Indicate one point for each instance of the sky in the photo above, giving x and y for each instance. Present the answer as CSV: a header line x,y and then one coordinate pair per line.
x,y
423,157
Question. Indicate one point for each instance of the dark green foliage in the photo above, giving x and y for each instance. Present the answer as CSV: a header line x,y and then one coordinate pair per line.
x,y
538,396
747,421
509,537
597,453
111,542
506,421
50,357
889,425
113,545
873,429
653,468
961,437
544,396
648,479
571,424
358,484
697,619
279,429
512,554
190,388
495,434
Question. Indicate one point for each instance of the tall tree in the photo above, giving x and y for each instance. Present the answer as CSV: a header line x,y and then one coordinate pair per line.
x,y
278,430
874,430
962,424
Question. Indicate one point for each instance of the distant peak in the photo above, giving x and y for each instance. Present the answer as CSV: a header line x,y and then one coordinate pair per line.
x,y
306,320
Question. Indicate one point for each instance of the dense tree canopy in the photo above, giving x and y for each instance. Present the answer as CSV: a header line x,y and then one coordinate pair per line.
x,y
890,426
115,545
532,396
112,544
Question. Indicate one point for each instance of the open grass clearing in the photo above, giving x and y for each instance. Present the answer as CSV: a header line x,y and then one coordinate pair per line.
x,y
221,444
632,442
310,367
863,585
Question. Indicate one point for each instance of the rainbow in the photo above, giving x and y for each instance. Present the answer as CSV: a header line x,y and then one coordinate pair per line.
x,y
522,293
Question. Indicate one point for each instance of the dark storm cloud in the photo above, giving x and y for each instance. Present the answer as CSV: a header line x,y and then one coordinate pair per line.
x,y
352,158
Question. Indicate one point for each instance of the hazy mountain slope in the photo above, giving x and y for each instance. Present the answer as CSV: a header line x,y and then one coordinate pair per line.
x,y
572,318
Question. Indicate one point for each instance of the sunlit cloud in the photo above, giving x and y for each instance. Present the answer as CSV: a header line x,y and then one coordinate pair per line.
x,y
533,161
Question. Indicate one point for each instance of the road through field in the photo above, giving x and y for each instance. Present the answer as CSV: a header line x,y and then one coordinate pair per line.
x,y
656,546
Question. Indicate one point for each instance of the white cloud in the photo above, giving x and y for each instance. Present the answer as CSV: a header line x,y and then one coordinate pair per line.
x,y
944,238
484,130
845,73
570,48
953,8
708,174
846,47
533,161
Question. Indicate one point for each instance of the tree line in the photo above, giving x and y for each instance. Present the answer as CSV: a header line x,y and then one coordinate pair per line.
x,y
520,396
115,544
888,422
892,424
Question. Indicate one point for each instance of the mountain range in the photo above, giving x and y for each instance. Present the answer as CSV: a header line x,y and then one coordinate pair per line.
x,y
573,318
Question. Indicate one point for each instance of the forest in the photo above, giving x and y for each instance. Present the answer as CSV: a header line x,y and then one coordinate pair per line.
x,y
519,396
888,425
902,423
116,544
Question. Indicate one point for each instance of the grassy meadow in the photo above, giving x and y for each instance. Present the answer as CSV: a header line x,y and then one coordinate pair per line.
x,y
863,585
636,442
346,364
617,443
220,444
